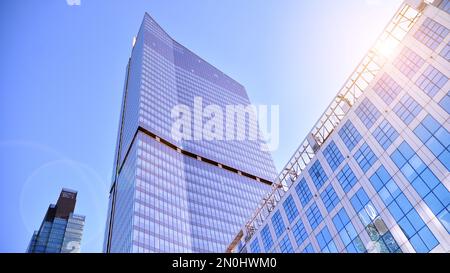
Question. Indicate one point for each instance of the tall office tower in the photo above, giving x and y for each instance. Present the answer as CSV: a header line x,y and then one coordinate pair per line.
x,y
61,230
179,195
373,174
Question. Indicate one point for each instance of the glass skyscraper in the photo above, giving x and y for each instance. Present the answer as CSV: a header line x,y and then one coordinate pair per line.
x,y
373,174
172,195
61,230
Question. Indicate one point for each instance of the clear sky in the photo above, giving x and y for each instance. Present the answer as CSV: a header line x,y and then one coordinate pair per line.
x,y
62,71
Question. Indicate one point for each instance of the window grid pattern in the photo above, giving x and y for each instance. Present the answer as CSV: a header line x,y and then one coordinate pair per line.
x,y
278,224
401,209
299,232
349,135
325,241
423,180
285,245
367,113
387,89
290,208
431,33
318,175
333,155
436,138
254,246
303,192
445,52
445,102
408,62
385,134
267,238
330,198
314,216
346,178
365,157
407,109
347,233
308,249
445,5
431,81
373,224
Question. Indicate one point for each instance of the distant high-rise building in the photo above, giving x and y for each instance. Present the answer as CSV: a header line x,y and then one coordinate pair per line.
x,y
373,174
61,230
179,195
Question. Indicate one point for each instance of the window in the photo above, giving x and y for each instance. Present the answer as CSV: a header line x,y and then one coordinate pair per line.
x,y
408,62
290,208
347,232
254,246
444,5
367,113
385,134
314,216
346,178
317,174
431,33
436,138
278,224
373,224
308,249
445,52
285,245
325,241
365,157
403,212
349,135
431,81
407,109
387,89
330,198
426,184
299,232
445,102
333,155
303,192
267,238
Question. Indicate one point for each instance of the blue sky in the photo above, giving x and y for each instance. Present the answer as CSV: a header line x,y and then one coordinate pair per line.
x,y
62,71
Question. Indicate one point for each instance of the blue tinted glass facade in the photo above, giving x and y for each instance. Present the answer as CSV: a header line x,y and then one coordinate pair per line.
x,y
333,155
434,135
179,195
349,135
424,181
325,241
385,134
367,113
407,109
445,102
314,216
431,33
329,198
290,208
303,192
408,62
278,224
431,81
404,213
387,89
365,157
61,230
389,192
318,175
346,178
299,232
